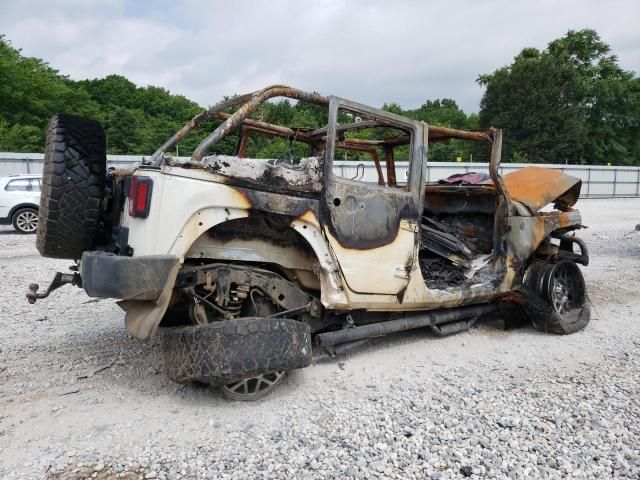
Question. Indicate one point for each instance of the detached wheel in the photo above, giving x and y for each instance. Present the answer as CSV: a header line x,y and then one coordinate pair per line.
x,y
246,356
562,288
72,187
25,220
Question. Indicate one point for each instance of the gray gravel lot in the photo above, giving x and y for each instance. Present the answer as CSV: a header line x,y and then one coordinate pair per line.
x,y
488,403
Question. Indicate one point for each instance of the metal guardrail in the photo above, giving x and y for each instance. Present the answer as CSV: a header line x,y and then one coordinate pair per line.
x,y
597,181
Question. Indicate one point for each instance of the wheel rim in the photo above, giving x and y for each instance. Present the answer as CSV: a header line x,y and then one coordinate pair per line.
x,y
252,388
27,221
565,288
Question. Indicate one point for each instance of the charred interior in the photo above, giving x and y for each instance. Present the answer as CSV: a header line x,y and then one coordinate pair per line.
x,y
457,234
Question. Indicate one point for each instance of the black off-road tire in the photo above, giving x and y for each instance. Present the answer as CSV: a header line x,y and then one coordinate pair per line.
x,y
72,187
539,303
222,352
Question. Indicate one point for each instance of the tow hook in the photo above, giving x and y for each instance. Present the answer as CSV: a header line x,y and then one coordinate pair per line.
x,y
59,280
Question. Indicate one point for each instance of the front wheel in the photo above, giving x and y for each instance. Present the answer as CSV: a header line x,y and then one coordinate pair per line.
x,y
25,220
564,308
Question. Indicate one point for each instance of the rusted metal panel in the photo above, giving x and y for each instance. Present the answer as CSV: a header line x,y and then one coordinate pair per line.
x,y
391,166
444,133
241,149
364,223
526,234
536,187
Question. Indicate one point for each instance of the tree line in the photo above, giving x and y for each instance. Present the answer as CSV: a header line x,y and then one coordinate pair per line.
x,y
569,103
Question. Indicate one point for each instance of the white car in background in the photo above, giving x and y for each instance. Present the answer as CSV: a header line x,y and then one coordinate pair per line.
x,y
20,201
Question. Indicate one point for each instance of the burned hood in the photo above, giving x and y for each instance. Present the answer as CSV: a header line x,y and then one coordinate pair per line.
x,y
536,187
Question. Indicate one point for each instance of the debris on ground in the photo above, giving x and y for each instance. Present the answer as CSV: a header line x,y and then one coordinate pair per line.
x,y
98,369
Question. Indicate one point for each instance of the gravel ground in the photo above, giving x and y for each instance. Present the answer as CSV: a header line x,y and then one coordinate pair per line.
x,y
487,403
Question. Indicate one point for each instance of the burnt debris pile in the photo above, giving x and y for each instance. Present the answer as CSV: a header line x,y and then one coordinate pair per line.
x,y
449,259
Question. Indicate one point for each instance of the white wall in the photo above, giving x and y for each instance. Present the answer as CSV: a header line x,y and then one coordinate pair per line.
x,y
597,181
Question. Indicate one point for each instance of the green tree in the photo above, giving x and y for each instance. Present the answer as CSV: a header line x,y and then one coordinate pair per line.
x,y
569,103
30,93
19,138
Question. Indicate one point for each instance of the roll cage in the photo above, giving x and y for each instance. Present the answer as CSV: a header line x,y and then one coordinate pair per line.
x,y
318,138
240,120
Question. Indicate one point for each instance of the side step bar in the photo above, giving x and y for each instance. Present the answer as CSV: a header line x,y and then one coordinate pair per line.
x,y
329,340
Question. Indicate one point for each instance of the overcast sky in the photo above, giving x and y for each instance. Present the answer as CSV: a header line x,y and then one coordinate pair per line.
x,y
370,51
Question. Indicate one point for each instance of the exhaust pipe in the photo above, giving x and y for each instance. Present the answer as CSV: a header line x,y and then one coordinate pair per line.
x,y
329,340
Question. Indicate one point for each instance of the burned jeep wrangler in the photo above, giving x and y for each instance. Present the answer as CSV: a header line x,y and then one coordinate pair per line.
x,y
243,261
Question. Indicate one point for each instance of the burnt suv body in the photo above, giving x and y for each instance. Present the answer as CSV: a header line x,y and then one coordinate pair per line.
x,y
245,260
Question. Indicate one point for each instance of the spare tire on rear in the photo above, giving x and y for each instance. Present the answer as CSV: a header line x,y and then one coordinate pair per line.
x,y
72,187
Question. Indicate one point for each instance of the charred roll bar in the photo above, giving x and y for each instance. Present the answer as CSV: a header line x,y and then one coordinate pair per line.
x,y
315,137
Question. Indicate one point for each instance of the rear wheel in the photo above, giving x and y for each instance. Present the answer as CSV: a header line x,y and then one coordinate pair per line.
x,y
236,337
254,388
562,288
257,386
246,356
25,220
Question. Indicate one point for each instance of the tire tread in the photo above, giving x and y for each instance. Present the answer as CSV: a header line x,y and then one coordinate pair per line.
x,y
72,187
229,350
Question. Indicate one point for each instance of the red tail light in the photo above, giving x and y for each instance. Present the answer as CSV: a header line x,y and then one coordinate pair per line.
x,y
140,196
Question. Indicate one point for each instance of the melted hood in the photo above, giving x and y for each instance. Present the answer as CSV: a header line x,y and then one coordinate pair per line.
x,y
537,187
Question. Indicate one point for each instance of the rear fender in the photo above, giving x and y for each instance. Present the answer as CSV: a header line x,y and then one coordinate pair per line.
x,y
143,317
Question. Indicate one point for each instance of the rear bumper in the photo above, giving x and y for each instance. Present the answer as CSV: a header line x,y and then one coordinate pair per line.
x,y
107,275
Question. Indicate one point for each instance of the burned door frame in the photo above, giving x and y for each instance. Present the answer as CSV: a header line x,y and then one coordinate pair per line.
x,y
503,209
373,229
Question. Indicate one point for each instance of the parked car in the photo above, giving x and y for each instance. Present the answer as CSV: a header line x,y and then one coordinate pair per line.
x,y
243,261
20,202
